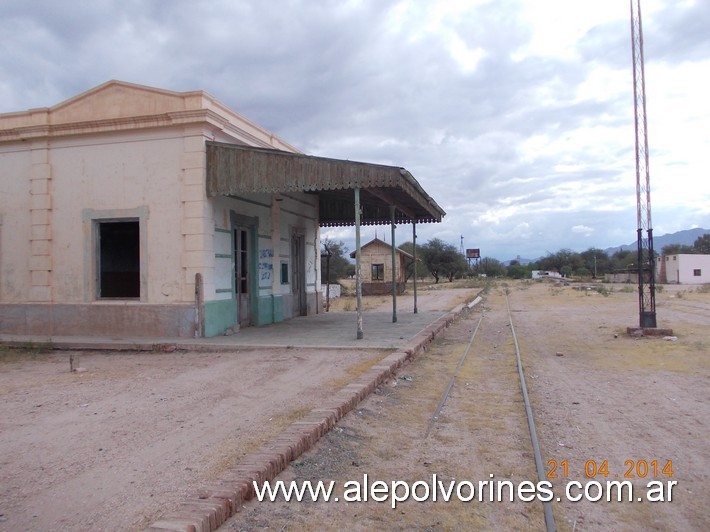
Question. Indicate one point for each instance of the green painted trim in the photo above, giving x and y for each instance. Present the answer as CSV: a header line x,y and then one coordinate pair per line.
x,y
278,309
219,316
223,291
223,256
220,230
251,224
265,311
270,310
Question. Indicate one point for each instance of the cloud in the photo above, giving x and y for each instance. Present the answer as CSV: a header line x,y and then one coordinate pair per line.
x,y
519,123
582,230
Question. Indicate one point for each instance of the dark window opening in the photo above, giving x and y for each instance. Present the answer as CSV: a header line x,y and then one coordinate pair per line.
x,y
119,259
284,273
697,273
378,272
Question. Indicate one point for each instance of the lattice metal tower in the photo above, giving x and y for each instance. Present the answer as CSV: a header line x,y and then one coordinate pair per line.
x,y
645,259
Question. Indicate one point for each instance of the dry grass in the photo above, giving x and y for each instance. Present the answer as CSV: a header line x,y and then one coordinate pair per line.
x,y
482,427
391,445
686,354
228,454
29,353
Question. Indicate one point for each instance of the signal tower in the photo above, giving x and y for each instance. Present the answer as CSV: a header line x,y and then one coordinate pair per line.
x,y
645,258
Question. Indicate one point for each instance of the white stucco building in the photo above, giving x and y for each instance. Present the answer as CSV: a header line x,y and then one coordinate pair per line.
x,y
544,274
683,268
130,210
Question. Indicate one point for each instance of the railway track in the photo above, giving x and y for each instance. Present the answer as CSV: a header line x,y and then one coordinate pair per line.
x,y
512,349
696,310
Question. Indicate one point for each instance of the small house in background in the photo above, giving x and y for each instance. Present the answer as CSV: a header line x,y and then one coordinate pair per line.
x,y
376,264
683,268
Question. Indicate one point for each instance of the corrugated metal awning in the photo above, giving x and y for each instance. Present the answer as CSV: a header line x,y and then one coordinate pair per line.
x,y
234,170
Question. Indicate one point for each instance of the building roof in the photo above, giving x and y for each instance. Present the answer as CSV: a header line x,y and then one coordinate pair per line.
x,y
376,241
233,170
263,164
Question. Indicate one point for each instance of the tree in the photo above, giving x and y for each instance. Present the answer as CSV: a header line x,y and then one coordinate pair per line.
x,y
409,268
595,262
702,244
442,259
489,267
339,264
517,271
622,260
677,249
565,262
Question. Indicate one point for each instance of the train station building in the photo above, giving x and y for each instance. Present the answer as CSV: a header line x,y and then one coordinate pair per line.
x,y
132,210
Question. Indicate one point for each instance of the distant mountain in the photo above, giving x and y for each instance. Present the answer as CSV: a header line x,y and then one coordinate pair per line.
x,y
687,238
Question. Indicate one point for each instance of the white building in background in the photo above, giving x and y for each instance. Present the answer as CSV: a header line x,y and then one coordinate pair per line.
x,y
545,274
684,268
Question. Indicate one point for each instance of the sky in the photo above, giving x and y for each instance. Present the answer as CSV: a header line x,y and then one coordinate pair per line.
x,y
516,116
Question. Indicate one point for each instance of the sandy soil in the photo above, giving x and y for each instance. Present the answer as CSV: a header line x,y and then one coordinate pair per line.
x,y
115,447
120,444
597,393
111,448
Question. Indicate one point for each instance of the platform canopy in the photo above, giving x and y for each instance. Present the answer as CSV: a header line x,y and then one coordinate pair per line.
x,y
234,170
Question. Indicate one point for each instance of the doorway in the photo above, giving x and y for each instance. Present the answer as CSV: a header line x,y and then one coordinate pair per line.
x,y
242,275
298,273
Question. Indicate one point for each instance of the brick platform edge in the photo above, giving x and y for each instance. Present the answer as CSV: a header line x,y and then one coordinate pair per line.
x,y
208,508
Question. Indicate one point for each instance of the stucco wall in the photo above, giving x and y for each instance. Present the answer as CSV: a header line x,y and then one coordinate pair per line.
x,y
117,179
680,268
379,253
15,162
86,180
123,152
293,214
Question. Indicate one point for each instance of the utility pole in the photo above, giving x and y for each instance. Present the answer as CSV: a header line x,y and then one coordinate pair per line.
x,y
644,236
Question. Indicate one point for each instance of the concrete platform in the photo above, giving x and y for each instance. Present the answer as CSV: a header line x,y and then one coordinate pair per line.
x,y
328,330
227,495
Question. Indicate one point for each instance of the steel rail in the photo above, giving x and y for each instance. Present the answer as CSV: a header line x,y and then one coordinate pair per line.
x,y
547,507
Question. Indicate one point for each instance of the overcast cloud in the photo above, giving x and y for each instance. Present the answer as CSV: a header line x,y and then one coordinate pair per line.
x,y
515,115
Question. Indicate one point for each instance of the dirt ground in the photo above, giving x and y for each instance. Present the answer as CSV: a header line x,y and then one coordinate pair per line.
x,y
114,447
118,445
111,448
617,407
